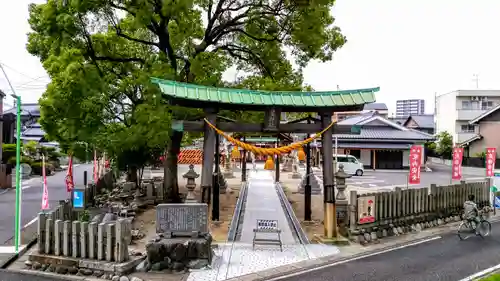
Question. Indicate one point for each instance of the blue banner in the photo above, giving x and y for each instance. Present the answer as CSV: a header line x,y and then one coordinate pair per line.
x,y
78,199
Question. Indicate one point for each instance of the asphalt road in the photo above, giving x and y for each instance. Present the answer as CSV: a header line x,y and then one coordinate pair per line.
x,y
32,198
444,259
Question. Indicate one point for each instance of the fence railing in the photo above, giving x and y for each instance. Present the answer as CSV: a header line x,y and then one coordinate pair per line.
x,y
59,235
411,206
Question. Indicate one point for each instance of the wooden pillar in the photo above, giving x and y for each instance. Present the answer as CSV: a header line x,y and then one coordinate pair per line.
x,y
244,164
307,191
215,181
374,159
330,217
277,161
208,156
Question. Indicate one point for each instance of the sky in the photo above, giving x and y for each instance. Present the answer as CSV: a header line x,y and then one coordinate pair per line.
x,y
410,49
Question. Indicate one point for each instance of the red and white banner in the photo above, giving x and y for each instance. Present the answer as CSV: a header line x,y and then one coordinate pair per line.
x,y
491,157
69,176
96,171
415,163
456,167
45,196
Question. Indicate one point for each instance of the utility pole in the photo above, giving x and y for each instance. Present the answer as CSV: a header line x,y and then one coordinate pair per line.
x,y
476,79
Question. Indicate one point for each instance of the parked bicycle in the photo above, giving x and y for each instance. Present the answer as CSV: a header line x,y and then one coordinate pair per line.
x,y
468,228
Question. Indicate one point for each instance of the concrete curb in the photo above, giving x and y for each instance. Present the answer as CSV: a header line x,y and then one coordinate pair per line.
x,y
14,257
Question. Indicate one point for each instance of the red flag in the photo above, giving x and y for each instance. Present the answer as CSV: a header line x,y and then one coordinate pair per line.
x,y
96,172
456,167
491,157
45,196
415,163
69,176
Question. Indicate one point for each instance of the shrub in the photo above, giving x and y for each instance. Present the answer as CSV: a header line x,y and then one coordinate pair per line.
x,y
37,168
24,159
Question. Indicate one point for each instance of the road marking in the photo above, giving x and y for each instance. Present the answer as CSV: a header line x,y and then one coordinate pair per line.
x,y
30,222
10,249
481,273
355,259
26,186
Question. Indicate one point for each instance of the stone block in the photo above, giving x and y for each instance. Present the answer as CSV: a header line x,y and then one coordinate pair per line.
x,y
75,238
100,241
92,240
49,236
67,238
110,234
42,218
84,232
58,232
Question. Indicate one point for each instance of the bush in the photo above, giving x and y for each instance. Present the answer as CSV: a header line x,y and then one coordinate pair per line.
x,y
8,151
24,159
37,168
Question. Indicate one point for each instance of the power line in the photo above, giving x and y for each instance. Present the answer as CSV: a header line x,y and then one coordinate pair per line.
x,y
18,72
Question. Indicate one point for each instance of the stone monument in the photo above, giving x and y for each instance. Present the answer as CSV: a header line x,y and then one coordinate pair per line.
x,y
341,200
183,240
295,162
228,171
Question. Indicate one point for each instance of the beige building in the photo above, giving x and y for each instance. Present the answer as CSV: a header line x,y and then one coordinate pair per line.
x,y
456,110
487,132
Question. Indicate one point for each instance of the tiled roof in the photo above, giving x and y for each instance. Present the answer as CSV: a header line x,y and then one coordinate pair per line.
x,y
375,106
250,97
386,133
26,109
423,121
34,130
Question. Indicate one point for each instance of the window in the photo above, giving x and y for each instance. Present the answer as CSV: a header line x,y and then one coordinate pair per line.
x,y
486,105
341,159
467,128
466,104
351,160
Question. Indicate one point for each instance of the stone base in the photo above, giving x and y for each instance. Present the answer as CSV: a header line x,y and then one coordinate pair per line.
x,y
296,175
339,241
228,174
84,266
178,254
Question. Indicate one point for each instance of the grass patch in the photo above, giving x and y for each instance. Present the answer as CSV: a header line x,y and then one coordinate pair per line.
x,y
494,277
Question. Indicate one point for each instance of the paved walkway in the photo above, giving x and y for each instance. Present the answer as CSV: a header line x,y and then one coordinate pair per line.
x,y
237,259
263,203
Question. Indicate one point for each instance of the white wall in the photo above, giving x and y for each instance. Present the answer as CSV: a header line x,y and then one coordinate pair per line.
x,y
365,157
446,110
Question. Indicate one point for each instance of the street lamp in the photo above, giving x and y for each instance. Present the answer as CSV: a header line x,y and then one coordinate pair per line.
x,y
17,234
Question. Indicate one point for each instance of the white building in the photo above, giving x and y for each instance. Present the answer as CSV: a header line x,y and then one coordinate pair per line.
x,y
454,110
405,108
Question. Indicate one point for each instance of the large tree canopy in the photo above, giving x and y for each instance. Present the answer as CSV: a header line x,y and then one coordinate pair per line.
x,y
100,55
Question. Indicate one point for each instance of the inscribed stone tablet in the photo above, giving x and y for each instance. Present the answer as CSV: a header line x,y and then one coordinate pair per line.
x,y
182,218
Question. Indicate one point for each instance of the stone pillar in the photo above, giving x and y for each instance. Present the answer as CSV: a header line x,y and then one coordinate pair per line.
x,y
67,238
110,233
208,155
353,207
84,230
58,231
121,247
216,182
75,238
100,241
42,219
191,177
328,185
341,200
50,236
92,240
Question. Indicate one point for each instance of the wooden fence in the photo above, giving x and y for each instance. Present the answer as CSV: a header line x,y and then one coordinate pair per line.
x,y
403,207
59,235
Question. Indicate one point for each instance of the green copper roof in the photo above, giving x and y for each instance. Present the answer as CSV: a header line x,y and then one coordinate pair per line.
x,y
199,93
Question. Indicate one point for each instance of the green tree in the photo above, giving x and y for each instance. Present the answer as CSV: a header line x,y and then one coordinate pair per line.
x,y
444,144
100,55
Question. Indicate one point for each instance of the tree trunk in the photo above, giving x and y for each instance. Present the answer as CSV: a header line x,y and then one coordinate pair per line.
x,y
170,183
132,174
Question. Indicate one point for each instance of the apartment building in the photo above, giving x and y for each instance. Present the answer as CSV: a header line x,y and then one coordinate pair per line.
x,y
405,108
456,109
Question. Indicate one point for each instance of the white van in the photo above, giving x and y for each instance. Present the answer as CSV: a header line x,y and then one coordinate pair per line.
x,y
351,164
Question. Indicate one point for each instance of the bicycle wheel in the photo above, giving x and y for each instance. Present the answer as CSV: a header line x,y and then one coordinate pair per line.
x,y
484,228
464,230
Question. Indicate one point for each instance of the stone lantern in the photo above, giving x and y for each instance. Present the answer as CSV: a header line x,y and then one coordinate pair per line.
x,y
341,199
191,176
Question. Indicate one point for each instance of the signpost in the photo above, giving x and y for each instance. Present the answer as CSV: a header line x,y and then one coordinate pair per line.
x,y
415,163
456,167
